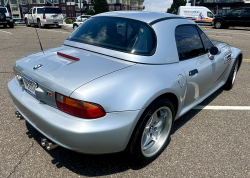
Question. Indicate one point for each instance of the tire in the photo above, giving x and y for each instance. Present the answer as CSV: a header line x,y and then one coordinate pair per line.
x,y
231,78
39,24
75,26
11,25
152,132
27,23
218,24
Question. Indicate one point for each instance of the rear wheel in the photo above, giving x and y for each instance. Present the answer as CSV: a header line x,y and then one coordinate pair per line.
x,y
153,132
231,78
11,25
218,24
39,24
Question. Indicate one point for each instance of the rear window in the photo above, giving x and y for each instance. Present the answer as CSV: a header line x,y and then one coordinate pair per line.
x,y
119,34
3,10
49,10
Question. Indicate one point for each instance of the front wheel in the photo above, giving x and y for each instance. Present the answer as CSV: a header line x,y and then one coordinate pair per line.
x,y
218,24
27,23
231,78
153,132
75,26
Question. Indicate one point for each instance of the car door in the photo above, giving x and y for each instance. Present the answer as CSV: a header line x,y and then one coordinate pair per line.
x,y
30,16
234,18
194,61
220,61
246,17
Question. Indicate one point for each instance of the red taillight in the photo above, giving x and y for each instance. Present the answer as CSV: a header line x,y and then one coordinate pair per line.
x,y
44,17
79,108
11,15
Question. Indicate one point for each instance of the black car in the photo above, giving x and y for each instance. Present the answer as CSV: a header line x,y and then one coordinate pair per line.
x,y
237,17
6,18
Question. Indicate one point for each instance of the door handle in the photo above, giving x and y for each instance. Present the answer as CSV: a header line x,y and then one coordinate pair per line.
x,y
193,72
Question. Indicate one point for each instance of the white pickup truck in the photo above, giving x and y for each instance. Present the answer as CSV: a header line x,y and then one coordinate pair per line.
x,y
43,16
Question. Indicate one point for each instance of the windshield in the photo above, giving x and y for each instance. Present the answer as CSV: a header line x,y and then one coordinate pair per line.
x,y
3,10
120,34
49,11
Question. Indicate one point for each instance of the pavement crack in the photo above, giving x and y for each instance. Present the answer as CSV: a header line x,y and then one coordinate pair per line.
x,y
20,160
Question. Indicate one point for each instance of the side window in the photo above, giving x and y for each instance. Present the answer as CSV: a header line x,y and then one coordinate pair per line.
x,y
235,13
206,42
34,10
246,13
188,42
210,15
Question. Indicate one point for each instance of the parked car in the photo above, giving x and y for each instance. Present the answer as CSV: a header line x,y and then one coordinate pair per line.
x,y
44,16
20,22
84,17
6,18
237,17
109,89
198,14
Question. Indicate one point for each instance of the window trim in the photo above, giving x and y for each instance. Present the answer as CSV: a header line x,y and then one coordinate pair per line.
x,y
201,38
153,51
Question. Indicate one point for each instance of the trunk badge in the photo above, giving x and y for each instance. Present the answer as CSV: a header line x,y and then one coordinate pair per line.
x,y
37,66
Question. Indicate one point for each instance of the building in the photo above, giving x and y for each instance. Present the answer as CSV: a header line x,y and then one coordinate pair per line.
x,y
71,8
223,6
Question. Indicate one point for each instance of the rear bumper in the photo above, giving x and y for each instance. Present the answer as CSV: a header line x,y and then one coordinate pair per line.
x,y
108,134
51,22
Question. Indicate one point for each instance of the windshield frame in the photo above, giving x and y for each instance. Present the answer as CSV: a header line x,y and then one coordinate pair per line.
x,y
153,33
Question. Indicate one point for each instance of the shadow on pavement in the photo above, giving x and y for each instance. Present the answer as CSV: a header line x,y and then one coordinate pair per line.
x,y
100,165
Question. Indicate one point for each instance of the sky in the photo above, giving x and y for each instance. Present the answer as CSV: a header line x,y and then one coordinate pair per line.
x,y
157,5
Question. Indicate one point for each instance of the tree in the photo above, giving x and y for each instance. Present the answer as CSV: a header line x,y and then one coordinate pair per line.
x,y
175,6
90,12
100,6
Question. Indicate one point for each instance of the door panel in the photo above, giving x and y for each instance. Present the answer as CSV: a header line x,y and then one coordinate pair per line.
x,y
198,73
234,18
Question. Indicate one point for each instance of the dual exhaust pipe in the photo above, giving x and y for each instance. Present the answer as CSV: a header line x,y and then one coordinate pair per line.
x,y
48,144
18,115
44,141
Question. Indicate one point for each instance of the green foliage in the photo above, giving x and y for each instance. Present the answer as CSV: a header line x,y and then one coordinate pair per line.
x,y
100,6
90,12
68,21
175,6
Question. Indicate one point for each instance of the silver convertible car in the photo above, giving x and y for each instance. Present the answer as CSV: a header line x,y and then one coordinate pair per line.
x,y
120,81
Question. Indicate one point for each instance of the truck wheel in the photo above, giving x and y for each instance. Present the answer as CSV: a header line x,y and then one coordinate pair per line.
x,y
218,24
11,25
39,23
27,23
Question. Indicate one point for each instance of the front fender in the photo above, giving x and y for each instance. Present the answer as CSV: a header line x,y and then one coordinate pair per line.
x,y
237,53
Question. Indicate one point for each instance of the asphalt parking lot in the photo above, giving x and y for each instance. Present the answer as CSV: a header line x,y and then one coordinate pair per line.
x,y
204,143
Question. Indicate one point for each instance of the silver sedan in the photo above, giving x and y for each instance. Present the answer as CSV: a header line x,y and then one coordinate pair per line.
x,y
120,81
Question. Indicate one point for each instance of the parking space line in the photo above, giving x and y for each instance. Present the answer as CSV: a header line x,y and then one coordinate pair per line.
x,y
54,31
246,60
221,36
222,107
6,32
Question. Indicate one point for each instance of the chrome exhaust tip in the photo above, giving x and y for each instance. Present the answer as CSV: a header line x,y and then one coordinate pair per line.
x,y
18,115
48,144
51,146
44,142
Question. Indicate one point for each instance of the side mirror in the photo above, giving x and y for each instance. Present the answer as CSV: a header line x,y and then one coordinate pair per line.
x,y
213,51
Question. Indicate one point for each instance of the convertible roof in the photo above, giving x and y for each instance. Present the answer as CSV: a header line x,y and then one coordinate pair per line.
x,y
145,16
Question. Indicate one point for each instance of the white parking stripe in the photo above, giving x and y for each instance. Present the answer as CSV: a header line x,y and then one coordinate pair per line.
x,y
220,36
222,107
54,31
5,32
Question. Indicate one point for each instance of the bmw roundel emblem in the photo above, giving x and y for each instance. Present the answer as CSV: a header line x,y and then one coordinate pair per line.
x,y
37,66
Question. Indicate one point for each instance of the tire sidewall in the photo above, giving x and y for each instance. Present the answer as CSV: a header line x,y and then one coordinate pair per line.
x,y
218,21
135,147
229,85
